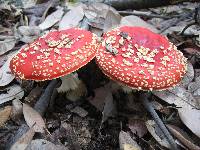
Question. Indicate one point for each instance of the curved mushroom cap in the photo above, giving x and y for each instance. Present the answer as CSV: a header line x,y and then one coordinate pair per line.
x,y
140,59
55,54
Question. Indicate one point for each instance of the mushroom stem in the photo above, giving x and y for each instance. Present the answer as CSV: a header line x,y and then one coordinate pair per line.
x,y
145,99
72,86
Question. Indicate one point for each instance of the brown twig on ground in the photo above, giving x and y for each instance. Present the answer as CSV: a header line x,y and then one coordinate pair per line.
x,y
196,20
174,22
158,121
144,14
138,4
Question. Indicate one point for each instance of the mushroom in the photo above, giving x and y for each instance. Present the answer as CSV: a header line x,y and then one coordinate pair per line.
x,y
56,54
140,59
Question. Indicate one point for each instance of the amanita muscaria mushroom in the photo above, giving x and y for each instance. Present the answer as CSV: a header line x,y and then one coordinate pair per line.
x,y
54,55
140,59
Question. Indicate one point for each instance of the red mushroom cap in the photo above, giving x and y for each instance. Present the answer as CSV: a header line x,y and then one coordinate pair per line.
x,y
140,59
55,54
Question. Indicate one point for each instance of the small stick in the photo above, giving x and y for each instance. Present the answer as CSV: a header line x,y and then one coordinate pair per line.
x,y
149,107
143,14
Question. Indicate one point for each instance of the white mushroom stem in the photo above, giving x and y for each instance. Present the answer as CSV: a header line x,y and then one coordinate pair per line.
x,y
72,86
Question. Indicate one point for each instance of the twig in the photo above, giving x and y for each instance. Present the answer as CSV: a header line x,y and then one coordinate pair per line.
x,y
174,22
84,24
137,4
144,14
196,20
144,97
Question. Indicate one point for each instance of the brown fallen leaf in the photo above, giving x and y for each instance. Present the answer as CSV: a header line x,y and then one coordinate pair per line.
x,y
129,147
138,127
72,18
99,99
182,137
33,95
109,107
12,92
188,77
187,106
5,73
191,50
23,141
16,110
7,45
112,20
27,34
137,21
32,117
5,114
79,111
52,19
190,117
127,143
40,144
157,133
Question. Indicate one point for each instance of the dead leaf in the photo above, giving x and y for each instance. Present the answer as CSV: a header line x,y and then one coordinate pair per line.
x,y
185,96
182,137
157,133
6,45
97,12
28,34
52,19
41,144
34,94
178,96
96,31
109,107
28,3
72,18
112,20
194,87
127,143
13,92
29,30
4,29
5,73
188,77
33,118
137,21
191,50
137,127
190,117
186,104
99,99
5,114
16,110
80,111
23,141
